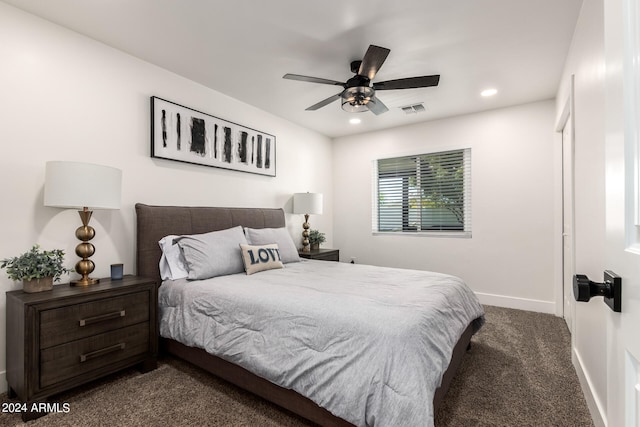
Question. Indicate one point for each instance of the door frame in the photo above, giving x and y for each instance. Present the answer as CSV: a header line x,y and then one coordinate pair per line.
x,y
566,117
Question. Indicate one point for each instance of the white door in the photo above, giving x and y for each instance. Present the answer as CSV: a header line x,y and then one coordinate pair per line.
x,y
568,261
622,47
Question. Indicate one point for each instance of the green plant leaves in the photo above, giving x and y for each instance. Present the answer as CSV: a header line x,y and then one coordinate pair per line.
x,y
35,264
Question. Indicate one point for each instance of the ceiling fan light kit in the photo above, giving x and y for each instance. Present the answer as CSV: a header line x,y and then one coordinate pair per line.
x,y
355,99
359,94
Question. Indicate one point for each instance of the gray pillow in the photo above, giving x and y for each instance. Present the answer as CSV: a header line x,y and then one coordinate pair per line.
x,y
213,254
279,236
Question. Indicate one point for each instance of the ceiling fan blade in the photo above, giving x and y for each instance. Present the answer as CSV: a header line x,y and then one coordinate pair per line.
x,y
324,102
372,61
408,83
376,106
312,79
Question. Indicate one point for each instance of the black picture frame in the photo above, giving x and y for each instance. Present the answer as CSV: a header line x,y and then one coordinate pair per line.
x,y
186,135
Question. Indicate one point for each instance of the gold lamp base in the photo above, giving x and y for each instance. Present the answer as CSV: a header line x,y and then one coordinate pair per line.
x,y
87,282
84,250
305,234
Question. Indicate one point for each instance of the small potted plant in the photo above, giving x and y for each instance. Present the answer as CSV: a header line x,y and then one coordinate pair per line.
x,y
37,269
315,239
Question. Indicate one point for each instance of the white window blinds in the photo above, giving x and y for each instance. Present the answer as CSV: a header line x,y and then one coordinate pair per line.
x,y
427,193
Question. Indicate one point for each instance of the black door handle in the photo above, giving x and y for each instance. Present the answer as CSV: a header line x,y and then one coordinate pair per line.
x,y
611,289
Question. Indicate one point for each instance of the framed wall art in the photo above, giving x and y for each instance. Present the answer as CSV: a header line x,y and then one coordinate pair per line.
x,y
186,135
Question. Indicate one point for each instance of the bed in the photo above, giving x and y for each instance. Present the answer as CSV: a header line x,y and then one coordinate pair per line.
x,y
305,385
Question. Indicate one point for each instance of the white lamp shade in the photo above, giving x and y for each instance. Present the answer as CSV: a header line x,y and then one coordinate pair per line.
x,y
78,185
307,203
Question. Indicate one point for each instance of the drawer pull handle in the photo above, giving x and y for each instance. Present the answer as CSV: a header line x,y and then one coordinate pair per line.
x,y
101,352
102,318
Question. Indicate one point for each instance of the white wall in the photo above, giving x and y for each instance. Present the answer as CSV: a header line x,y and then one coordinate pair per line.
x,y
67,97
509,261
586,62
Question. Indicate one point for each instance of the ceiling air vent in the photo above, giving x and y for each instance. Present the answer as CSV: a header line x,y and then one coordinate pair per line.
x,y
414,109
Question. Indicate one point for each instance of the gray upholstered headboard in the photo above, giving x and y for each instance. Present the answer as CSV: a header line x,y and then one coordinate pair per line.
x,y
156,222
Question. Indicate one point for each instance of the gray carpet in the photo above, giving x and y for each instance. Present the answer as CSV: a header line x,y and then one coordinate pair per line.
x,y
518,373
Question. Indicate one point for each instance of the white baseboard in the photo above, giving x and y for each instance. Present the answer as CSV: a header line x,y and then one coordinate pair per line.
x,y
594,405
548,307
3,382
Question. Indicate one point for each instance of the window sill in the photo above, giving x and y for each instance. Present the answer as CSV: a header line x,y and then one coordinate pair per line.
x,y
446,234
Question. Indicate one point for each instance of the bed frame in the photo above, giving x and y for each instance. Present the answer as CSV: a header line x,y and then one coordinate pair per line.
x,y
156,222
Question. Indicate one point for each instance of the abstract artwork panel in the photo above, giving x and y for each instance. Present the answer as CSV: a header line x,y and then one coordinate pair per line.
x,y
182,134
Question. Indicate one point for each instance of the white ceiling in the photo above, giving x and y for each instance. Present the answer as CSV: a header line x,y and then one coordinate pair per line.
x,y
242,48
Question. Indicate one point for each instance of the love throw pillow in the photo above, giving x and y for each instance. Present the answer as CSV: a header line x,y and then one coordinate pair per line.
x,y
260,258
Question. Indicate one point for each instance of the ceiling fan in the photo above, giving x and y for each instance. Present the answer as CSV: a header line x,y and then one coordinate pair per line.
x,y
359,94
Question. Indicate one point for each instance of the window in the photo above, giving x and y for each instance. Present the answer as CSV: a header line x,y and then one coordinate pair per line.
x,y
427,193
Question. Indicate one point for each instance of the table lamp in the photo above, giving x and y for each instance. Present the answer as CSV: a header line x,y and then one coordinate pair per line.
x,y
307,203
82,186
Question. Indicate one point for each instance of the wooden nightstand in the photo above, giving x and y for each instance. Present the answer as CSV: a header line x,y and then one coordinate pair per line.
x,y
321,254
59,339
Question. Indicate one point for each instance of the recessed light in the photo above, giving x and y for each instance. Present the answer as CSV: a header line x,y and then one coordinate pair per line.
x,y
489,92
354,121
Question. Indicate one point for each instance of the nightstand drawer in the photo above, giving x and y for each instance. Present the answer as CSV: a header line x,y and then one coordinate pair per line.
x,y
78,357
65,324
328,256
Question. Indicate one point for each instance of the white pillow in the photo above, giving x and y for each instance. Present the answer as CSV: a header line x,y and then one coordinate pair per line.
x,y
213,254
172,264
279,236
260,258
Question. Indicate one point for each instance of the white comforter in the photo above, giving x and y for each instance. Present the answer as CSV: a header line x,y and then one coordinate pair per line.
x,y
370,344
